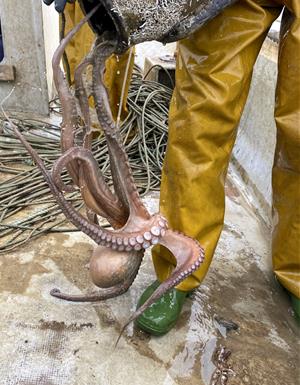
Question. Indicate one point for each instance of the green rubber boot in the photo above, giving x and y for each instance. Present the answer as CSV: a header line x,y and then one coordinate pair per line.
x,y
296,307
162,315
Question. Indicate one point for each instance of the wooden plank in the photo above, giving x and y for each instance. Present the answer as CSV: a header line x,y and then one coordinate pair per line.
x,y
7,73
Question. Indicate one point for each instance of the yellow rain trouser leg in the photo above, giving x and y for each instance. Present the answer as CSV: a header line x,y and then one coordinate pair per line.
x,y
286,171
213,75
116,67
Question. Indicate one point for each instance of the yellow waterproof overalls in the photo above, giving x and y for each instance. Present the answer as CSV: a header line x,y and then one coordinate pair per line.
x,y
213,75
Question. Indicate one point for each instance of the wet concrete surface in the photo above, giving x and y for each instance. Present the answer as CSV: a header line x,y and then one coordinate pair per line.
x,y
46,341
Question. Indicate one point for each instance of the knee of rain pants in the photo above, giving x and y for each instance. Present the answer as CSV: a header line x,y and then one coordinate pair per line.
x,y
286,170
116,67
213,75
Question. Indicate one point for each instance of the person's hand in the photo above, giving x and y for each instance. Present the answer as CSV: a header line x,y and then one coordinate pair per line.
x,y
59,4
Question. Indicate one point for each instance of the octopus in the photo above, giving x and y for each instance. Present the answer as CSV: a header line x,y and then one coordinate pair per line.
x,y
119,250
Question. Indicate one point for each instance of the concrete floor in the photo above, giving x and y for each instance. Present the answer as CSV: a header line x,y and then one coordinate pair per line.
x,y
45,341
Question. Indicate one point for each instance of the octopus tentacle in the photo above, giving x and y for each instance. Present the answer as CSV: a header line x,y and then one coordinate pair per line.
x,y
94,190
94,179
81,95
146,232
93,199
100,295
122,177
93,206
98,91
189,256
69,111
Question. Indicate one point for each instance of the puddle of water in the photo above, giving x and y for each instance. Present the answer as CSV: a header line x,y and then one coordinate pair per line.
x,y
207,366
274,337
195,358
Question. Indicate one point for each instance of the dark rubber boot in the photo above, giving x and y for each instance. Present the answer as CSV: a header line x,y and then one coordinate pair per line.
x,y
162,315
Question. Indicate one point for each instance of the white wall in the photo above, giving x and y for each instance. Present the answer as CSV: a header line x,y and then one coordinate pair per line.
x,y
21,23
51,38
